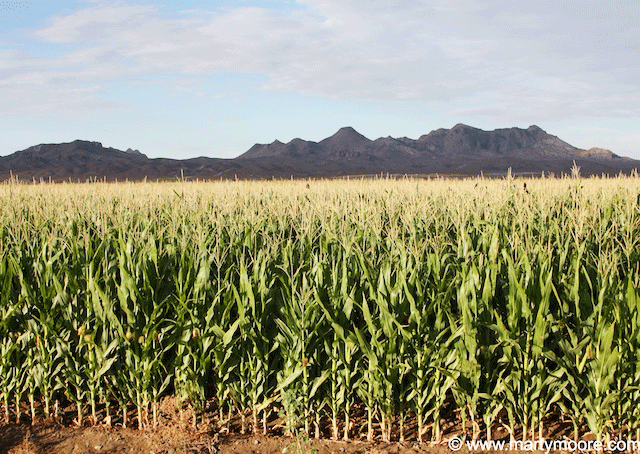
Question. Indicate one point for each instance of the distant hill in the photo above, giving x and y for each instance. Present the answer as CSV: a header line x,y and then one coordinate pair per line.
x,y
460,142
70,160
461,150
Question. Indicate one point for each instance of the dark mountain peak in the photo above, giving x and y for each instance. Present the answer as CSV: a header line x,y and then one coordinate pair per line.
x,y
260,150
347,130
134,152
461,143
88,142
79,157
348,133
462,128
85,148
600,153
461,150
345,139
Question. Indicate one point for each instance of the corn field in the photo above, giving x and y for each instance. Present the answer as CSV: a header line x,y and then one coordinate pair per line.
x,y
500,303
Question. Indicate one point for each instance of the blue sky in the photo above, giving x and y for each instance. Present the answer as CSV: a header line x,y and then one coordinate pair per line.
x,y
199,78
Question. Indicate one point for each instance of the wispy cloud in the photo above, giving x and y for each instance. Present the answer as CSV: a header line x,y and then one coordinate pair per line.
x,y
483,58
60,103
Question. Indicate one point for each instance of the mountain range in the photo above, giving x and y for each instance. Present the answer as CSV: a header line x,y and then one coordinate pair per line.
x,y
461,150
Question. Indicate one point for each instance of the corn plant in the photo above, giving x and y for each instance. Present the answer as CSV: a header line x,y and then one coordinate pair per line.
x,y
256,312
492,300
301,375
433,360
341,345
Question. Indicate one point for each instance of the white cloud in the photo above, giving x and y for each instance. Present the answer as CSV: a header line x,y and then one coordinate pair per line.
x,y
481,58
57,103
93,23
